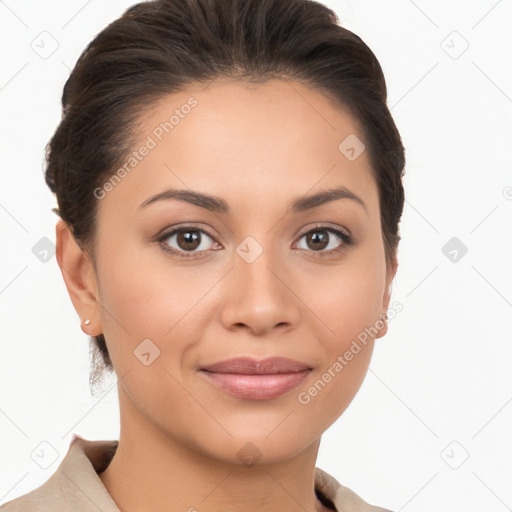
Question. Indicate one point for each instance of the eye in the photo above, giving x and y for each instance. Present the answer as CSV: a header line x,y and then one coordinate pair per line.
x,y
324,237
190,241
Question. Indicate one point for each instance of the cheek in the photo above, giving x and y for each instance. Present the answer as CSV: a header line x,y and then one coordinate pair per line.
x,y
144,295
332,389
347,304
346,299
347,348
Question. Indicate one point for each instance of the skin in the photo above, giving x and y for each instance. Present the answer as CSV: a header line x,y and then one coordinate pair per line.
x,y
258,148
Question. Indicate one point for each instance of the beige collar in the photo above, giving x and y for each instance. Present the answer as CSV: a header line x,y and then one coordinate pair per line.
x,y
76,485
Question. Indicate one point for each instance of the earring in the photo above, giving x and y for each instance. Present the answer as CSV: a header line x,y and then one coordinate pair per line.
x,y
384,317
87,321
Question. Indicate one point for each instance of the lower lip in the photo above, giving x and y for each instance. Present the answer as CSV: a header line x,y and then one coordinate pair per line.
x,y
256,387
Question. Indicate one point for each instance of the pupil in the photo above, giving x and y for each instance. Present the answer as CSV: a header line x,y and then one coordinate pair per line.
x,y
315,239
188,237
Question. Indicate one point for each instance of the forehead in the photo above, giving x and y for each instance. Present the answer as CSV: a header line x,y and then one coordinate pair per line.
x,y
273,139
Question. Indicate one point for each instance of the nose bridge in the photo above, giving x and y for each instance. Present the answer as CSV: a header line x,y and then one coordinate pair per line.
x,y
256,294
253,264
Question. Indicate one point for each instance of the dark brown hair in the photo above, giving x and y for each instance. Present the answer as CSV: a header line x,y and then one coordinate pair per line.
x,y
159,47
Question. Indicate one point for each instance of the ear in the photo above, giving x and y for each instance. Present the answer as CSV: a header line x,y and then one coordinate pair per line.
x,y
390,275
80,278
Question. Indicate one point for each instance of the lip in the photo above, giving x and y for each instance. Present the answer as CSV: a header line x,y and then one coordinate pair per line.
x,y
250,366
256,380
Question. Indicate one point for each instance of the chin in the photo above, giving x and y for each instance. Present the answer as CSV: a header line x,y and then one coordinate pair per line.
x,y
261,445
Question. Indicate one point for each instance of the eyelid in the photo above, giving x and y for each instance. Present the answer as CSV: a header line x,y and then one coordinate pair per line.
x,y
325,226
169,230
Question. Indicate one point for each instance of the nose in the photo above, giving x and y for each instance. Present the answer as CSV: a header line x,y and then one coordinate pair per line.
x,y
258,296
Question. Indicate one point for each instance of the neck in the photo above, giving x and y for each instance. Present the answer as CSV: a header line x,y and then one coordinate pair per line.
x,y
153,471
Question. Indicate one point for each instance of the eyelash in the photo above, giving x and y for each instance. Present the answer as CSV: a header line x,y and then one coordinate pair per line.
x,y
347,241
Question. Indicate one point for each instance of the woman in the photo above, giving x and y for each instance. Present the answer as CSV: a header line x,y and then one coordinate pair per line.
x,y
228,177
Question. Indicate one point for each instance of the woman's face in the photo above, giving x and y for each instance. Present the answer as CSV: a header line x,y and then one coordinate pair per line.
x,y
257,284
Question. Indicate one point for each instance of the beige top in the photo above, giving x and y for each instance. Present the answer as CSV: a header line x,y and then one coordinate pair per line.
x,y
75,486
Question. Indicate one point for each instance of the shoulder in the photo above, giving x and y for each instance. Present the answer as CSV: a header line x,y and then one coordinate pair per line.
x,y
75,485
341,497
42,499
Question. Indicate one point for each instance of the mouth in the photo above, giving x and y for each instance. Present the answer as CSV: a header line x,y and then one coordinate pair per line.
x,y
251,366
252,379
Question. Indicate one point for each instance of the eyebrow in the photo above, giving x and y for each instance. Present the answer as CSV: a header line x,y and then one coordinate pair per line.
x,y
216,204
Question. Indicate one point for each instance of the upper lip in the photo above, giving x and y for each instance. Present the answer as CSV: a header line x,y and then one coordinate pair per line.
x,y
250,366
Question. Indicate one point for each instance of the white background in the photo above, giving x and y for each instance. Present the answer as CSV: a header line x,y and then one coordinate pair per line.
x,y
439,388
